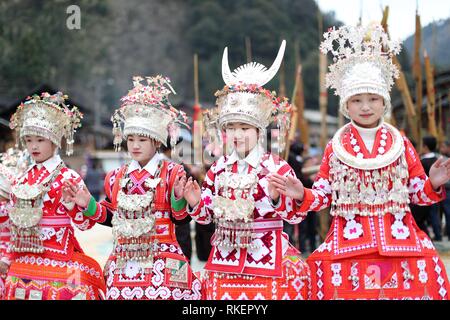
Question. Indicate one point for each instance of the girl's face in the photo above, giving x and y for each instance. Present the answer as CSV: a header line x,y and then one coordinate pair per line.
x,y
242,137
142,149
366,109
40,148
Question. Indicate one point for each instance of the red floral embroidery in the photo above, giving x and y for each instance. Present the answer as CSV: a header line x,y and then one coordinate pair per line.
x,y
207,201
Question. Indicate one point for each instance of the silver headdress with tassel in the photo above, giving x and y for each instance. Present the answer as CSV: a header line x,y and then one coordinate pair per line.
x,y
47,116
147,111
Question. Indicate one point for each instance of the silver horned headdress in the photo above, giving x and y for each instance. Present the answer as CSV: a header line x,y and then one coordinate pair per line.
x,y
243,99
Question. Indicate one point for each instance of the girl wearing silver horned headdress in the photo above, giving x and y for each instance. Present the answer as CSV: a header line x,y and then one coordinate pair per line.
x,y
251,257
369,174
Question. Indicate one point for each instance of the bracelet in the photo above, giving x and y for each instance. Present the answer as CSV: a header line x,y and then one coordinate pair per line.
x,y
91,209
177,205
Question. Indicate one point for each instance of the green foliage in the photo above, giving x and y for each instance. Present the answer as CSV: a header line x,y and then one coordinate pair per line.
x,y
119,39
35,43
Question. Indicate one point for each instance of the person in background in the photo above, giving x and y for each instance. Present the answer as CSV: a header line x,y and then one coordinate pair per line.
x,y
94,178
308,227
295,160
428,158
445,205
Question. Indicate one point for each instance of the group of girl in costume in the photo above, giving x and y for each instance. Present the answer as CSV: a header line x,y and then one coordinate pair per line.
x,y
369,175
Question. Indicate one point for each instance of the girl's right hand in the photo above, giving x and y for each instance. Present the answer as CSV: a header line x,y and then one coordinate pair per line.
x,y
288,186
72,192
192,192
4,267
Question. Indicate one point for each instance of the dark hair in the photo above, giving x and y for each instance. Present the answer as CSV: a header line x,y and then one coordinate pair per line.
x,y
430,142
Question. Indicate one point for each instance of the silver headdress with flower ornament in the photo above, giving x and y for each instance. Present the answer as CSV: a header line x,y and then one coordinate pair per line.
x,y
362,59
147,111
243,99
47,116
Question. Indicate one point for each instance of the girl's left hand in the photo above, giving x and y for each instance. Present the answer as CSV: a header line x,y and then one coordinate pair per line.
x,y
72,192
4,267
439,173
178,186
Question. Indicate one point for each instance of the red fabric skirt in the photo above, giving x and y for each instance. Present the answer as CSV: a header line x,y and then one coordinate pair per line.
x,y
32,277
294,284
372,276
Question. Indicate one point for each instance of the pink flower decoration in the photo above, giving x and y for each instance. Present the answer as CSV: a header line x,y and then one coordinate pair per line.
x,y
207,201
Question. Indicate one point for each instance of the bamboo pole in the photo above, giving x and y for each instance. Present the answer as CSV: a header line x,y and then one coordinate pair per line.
x,y
298,97
282,88
196,90
298,120
431,97
282,93
441,135
197,118
294,123
402,86
248,49
417,73
323,95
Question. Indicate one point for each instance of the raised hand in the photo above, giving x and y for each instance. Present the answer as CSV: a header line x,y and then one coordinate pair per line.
x,y
288,186
106,269
439,172
192,192
178,186
4,267
274,181
72,192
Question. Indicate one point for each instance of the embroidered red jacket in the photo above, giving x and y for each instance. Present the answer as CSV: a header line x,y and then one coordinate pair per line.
x,y
59,218
271,242
378,233
165,215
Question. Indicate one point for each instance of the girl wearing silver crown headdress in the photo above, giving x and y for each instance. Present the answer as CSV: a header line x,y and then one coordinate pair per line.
x,y
12,163
144,201
251,257
370,173
47,263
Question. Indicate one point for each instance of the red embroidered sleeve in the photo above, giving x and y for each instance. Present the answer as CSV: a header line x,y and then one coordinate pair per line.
x,y
175,171
81,221
420,189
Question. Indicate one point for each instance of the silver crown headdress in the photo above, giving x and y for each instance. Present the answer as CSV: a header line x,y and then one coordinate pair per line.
x,y
147,111
47,116
243,99
362,59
